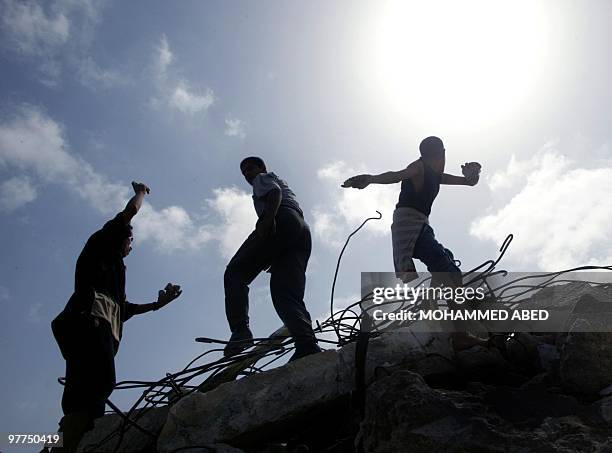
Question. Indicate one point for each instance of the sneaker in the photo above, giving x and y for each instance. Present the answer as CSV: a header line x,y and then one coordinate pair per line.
x,y
239,341
303,352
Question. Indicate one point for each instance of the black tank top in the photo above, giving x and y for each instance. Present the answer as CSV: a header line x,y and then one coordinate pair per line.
x,y
421,201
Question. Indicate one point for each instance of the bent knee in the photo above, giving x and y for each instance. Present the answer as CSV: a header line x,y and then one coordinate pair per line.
x,y
230,274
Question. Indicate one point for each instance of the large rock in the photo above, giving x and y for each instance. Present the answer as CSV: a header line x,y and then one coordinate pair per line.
x,y
243,411
404,414
249,410
107,435
396,404
586,358
604,409
567,296
427,353
483,364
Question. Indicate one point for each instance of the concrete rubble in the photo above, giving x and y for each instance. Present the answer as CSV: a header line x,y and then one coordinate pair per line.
x,y
532,392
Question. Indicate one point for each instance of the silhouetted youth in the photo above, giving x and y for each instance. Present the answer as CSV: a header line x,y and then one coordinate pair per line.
x,y
88,330
412,236
281,243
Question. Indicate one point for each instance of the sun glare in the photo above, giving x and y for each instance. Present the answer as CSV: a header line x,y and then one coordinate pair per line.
x,y
457,63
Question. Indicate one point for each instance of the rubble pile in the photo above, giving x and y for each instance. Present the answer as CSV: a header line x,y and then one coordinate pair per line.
x,y
525,392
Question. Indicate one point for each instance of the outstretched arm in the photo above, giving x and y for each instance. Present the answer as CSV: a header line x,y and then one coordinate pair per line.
x,y
389,177
164,297
452,180
133,206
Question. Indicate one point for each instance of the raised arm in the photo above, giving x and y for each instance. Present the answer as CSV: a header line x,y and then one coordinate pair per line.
x,y
133,206
389,177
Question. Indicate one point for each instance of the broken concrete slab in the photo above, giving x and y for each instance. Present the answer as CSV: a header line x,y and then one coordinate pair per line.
x,y
106,435
242,411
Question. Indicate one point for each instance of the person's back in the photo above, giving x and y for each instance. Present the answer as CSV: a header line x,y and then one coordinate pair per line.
x,y
263,182
100,266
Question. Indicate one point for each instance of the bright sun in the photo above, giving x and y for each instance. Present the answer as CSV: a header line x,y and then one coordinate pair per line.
x,y
457,63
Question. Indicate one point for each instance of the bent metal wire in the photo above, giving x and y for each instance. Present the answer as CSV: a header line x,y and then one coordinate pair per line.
x,y
204,374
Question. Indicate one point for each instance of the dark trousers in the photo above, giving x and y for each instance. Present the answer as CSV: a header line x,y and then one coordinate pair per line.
x,y
286,253
90,368
439,260
441,264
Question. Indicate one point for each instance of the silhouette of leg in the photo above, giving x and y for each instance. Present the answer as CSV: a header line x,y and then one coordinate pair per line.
x,y
252,257
90,379
439,260
445,272
288,281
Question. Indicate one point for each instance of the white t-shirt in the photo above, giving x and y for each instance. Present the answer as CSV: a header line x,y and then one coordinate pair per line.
x,y
264,183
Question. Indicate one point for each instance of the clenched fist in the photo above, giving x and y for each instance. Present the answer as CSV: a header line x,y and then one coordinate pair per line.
x,y
140,187
358,182
168,294
471,171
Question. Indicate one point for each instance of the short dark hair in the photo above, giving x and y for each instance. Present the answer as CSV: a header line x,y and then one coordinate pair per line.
x,y
431,147
254,160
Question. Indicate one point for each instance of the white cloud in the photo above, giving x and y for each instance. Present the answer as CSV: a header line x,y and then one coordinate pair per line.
x,y
231,219
171,229
347,208
55,35
93,76
173,92
234,127
235,209
335,171
508,178
326,226
185,100
559,212
15,193
164,57
31,30
34,143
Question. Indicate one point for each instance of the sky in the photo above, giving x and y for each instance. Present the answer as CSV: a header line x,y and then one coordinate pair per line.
x,y
96,94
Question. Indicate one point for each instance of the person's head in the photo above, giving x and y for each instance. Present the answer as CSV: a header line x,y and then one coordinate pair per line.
x,y
126,242
251,167
433,152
